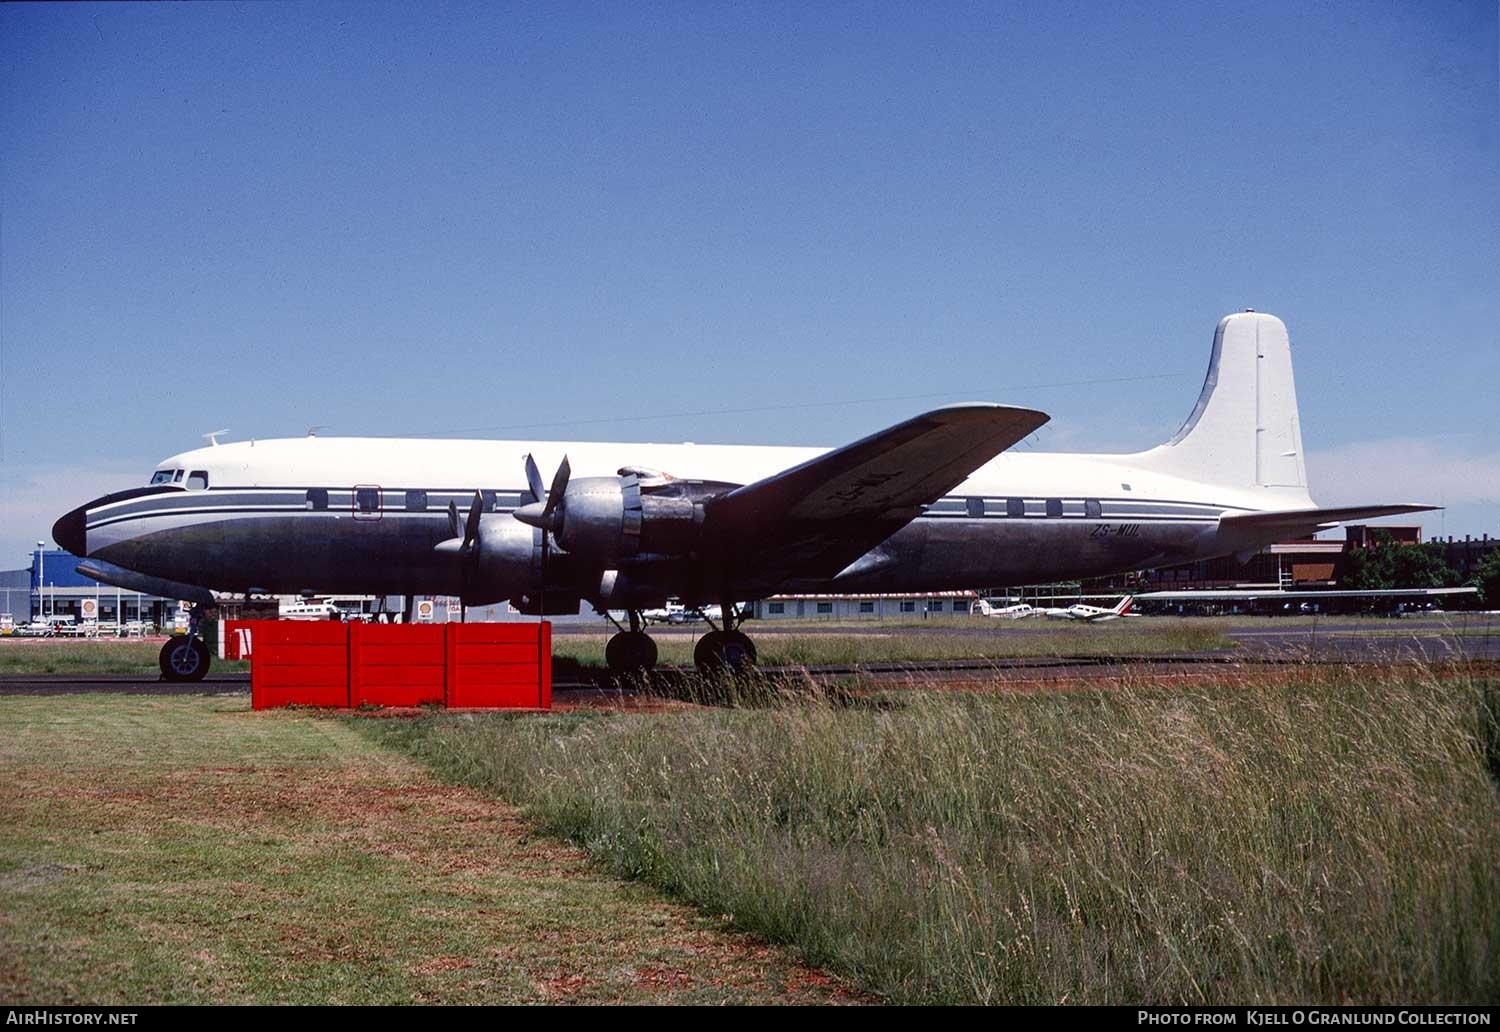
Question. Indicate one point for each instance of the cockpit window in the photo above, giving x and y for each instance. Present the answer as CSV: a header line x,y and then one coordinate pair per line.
x,y
161,476
197,480
177,476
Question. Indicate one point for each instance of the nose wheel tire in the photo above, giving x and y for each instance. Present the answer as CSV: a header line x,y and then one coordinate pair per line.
x,y
724,651
630,652
183,658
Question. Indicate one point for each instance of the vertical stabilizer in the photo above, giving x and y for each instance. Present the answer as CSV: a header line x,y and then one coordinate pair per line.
x,y
1244,430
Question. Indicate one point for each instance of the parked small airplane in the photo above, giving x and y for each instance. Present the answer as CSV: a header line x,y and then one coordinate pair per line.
x,y
1015,611
929,504
1093,614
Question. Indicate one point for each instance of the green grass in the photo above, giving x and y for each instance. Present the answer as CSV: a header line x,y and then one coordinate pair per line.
x,y
186,850
100,656
1331,836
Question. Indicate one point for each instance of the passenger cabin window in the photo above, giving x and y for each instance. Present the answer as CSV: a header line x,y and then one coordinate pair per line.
x,y
367,499
416,501
976,506
1015,507
162,476
489,500
197,480
1092,509
1054,508
317,498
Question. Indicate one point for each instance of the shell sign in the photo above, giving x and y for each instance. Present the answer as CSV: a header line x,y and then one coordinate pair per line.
x,y
89,610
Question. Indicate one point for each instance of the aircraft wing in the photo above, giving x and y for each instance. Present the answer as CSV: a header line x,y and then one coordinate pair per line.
x,y
1306,521
814,519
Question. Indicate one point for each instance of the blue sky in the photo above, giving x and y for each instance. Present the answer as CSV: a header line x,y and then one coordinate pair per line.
x,y
506,219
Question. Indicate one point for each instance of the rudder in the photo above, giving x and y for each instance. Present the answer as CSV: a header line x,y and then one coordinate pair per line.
x,y
1244,430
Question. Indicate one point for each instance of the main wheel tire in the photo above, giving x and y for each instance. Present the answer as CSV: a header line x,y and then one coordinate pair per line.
x,y
724,651
630,652
183,658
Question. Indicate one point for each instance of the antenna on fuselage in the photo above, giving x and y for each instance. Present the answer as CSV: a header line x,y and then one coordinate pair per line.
x,y
212,437
312,431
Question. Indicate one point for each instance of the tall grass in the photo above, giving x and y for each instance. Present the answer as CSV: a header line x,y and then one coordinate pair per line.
x,y
1334,837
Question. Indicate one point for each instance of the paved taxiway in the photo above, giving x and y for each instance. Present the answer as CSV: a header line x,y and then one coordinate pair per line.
x,y
1460,638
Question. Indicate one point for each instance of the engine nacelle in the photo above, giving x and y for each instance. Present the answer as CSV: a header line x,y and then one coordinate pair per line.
x,y
607,519
508,565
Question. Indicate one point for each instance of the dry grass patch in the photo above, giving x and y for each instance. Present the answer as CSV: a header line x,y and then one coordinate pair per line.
x,y
187,850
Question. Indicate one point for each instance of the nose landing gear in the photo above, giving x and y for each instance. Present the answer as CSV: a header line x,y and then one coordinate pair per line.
x,y
183,658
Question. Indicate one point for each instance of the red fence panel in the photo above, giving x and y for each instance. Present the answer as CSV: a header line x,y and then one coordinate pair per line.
x,y
299,663
396,664
500,665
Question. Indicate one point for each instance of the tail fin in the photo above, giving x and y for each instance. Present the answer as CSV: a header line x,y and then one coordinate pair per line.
x,y
1244,430
1123,606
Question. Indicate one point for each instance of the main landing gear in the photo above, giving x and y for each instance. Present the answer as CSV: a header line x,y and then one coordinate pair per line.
x,y
632,652
722,650
725,650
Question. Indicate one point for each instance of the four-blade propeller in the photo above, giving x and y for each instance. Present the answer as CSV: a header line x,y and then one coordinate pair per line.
x,y
548,515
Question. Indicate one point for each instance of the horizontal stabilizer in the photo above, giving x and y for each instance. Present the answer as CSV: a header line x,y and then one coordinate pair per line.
x,y
1308,520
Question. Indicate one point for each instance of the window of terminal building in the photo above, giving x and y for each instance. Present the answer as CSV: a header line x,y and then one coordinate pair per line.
x,y
1054,508
416,501
908,605
867,607
1015,507
197,480
976,506
778,608
1092,509
317,498
824,608
935,605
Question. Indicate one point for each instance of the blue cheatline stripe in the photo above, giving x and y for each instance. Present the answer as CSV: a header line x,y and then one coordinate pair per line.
x,y
292,500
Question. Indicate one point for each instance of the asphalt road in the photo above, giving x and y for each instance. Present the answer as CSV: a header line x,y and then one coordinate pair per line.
x,y
1473,637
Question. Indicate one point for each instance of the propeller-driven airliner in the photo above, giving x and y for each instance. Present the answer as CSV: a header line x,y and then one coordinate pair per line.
x,y
934,503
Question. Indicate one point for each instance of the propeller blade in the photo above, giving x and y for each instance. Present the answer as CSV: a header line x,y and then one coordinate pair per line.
x,y
559,486
533,478
471,527
454,527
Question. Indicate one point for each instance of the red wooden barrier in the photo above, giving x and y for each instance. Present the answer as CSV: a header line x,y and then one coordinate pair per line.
x,y
299,663
396,664
493,665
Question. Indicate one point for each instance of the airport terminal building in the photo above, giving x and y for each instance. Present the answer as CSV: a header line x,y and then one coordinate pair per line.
x,y
52,587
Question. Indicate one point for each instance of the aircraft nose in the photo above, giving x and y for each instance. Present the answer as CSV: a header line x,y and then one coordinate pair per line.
x,y
71,531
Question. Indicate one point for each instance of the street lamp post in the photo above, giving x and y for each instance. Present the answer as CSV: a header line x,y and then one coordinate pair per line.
x,y
41,591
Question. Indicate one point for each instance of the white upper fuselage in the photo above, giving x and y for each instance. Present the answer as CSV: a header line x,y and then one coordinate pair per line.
x,y
401,463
